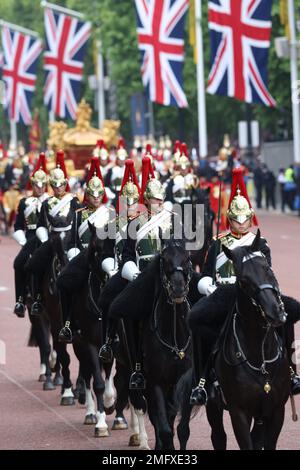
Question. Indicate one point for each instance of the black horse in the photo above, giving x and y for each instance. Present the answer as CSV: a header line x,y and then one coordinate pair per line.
x,y
249,364
196,198
156,303
52,310
91,324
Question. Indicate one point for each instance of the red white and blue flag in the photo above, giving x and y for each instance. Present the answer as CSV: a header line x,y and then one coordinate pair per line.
x,y
160,29
19,66
66,42
240,39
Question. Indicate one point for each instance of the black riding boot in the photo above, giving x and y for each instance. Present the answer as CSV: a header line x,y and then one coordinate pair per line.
x,y
37,306
199,394
137,380
19,309
65,334
106,351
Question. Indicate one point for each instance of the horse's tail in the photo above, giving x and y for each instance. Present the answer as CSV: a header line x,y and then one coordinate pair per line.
x,y
182,395
32,341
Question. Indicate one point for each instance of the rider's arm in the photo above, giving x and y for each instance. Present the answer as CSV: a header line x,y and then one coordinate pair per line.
x,y
74,245
205,284
20,224
129,260
42,226
108,264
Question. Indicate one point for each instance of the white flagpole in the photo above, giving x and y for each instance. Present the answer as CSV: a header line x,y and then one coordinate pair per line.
x,y
202,128
66,11
294,81
13,134
20,29
100,87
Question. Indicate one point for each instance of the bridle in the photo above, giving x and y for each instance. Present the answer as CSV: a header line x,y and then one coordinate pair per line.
x,y
167,284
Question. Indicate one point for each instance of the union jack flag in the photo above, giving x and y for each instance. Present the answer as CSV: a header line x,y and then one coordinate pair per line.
x,y
66,41
20,57
160,28
240,39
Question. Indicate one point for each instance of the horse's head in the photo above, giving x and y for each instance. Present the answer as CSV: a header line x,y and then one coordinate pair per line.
x,y
256,279
175,271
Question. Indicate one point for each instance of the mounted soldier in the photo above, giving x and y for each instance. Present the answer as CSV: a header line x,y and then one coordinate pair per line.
x,y
113,249
25,228
145,238
56,219
115,174
217,285
93,211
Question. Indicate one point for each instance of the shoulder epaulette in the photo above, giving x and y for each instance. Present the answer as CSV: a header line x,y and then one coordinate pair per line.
x,y
221,235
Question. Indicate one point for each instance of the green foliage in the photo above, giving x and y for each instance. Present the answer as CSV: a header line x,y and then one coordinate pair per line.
x,y
114,24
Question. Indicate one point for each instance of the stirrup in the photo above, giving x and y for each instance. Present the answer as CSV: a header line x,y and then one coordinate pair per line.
x,y
137,380
36,308
199,394
106,353
65,334
19,309
295,382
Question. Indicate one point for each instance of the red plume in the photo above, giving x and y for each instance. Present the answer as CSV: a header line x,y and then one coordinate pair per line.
x,y
239,183
95,171
177,146
147,171
148,149
184,149
40,165
60,163
121,143
129,174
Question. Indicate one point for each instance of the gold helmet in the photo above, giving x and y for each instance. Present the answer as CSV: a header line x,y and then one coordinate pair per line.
x,y
39,175
176,153
101,151
121,151
95,187
130,186
155,190
39,178
94,181
57,178
239,208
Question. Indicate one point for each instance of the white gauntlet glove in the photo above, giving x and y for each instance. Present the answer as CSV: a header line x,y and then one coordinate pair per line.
x,y
206,286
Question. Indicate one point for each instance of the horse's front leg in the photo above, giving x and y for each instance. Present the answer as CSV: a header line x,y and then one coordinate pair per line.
x,y
273,426
139,404
64,359
241,423
101,428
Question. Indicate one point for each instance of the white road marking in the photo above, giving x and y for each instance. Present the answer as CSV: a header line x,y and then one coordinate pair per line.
x,y
3,288
48,407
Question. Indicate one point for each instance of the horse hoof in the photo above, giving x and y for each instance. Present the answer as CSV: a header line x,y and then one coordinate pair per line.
x,y
67,401
90,419
110,410
119,423
42,378
144,447
134,440
101,432
48,385
58,380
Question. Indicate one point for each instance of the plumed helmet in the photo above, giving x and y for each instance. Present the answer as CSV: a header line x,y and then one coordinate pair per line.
x,y
239,207
39,175
121,150
95,187
39,178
